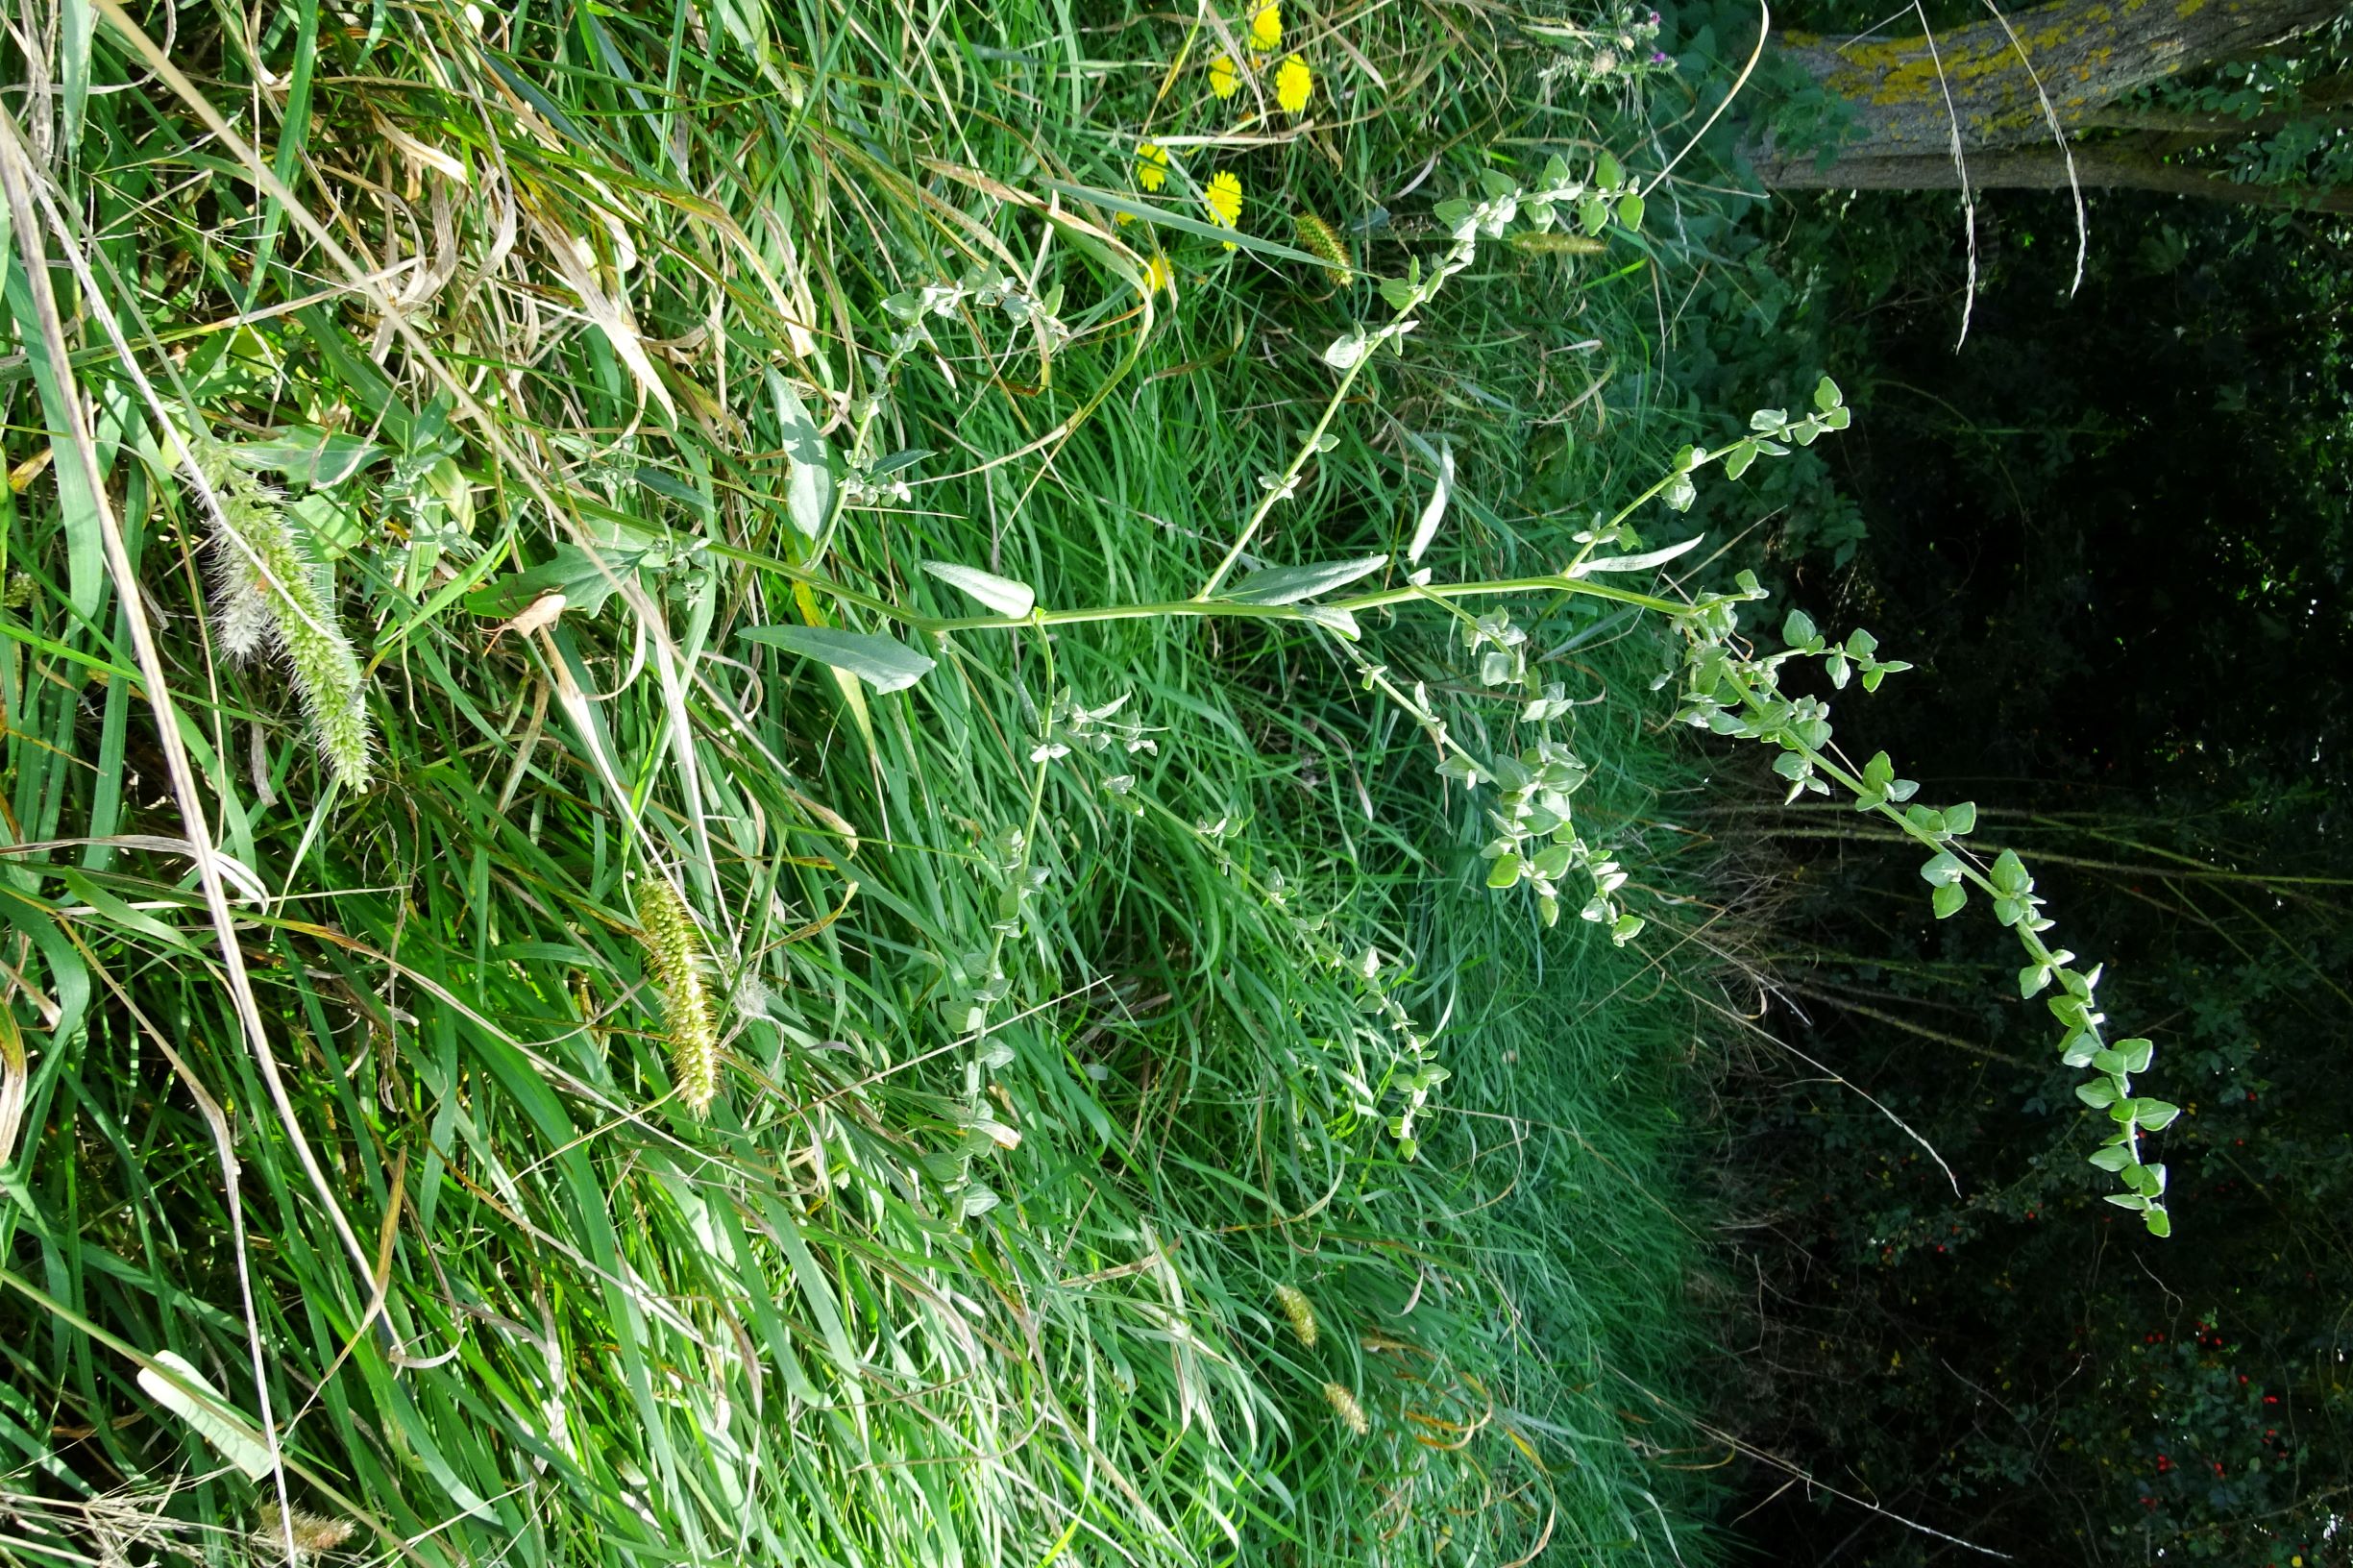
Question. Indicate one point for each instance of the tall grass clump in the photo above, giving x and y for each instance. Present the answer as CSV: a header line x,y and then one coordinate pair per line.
x,y
914,982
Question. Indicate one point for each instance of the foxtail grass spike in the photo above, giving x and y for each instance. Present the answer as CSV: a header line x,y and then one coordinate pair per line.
x,y
674,950
312,1533
1344,1406
1555,242
1322,240
268,592
1302,1315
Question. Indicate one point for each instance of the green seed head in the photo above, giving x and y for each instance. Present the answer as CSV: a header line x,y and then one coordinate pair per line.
x,y
1320,238
674,950
1344,1406
1296,1307
269,593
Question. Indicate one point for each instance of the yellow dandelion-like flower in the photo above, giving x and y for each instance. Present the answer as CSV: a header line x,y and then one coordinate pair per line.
x,y
1294,85
1344,1406
1267,28
1158,275
1224,75
1151,165
1296,1307
1225,199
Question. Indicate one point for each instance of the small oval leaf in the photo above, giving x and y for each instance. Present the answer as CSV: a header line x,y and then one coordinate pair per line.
x,y
1332,619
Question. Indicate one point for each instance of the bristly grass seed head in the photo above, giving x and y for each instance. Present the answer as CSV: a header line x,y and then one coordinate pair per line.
x,y
312,1533
674,949
1302,1315
1555,242
268,590
1344,1406
1321,239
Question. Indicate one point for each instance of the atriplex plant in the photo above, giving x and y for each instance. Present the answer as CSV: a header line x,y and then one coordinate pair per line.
x,y
1727,686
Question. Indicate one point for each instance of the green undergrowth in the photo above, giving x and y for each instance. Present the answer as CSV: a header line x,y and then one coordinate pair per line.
x,y
667,1100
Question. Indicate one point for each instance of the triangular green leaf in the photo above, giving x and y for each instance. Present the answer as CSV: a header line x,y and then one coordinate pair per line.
x,y
572,572
215,1420
1002,594
1637,563
882,663
808,495
1289,584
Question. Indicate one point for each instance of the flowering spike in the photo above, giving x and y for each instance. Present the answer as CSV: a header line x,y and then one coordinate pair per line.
x,y
1294,1303
674,950
312,1534
1322,240
267,590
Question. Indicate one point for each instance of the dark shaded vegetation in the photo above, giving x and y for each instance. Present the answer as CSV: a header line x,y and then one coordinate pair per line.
x,y
2111,527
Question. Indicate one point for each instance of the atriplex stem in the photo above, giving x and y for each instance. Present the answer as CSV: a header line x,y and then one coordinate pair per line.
x,y
1382,598
1307,449
1846,780
1459,256
1609,528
